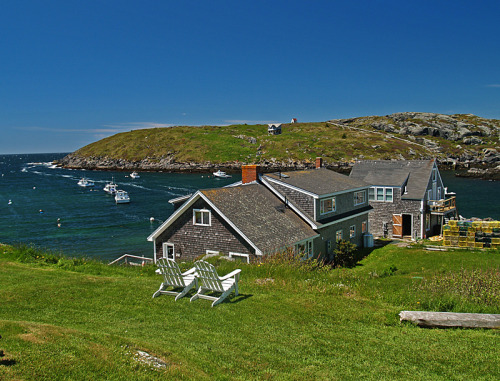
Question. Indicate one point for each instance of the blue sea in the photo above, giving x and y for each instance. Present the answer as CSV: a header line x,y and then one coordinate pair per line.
x,y
93,225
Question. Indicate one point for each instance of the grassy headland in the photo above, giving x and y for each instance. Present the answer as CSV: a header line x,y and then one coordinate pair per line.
x,y
63,318
251,143
466,139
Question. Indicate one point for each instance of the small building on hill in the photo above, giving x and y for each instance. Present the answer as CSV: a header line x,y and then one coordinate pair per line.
x,y
408,197
274,128
307,211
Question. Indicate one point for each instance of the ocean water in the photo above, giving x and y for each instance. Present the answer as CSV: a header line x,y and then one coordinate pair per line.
x,y
93,225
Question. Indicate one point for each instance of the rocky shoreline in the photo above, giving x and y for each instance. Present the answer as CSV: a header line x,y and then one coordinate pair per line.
x,y
168,164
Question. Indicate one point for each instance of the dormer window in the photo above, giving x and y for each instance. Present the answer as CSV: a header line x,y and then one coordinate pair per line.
x,y
202,217
327,205
359,198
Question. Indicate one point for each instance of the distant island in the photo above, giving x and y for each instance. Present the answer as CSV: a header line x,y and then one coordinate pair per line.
x,y
465,142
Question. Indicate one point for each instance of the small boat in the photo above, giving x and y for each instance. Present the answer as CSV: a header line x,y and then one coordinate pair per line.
x,y
111,187
122,197
221,174
84,182
134,175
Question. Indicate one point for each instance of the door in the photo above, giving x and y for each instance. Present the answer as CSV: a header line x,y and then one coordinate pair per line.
x,y
397,225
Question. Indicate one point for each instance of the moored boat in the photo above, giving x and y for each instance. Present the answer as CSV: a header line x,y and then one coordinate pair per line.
x,y
134,175
84,182
122,197
110,187
221,174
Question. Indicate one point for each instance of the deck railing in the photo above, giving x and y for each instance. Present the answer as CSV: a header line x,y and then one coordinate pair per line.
x,y
441,206
128,259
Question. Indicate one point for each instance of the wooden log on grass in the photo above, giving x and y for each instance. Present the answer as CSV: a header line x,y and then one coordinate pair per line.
x,y
451,319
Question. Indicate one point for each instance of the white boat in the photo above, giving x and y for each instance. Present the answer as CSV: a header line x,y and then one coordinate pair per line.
x,y
84,182
122,197
222,174
110,187
134,175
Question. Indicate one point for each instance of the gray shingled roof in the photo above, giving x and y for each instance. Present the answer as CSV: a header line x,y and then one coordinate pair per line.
x,y
319,181
260,215
394,173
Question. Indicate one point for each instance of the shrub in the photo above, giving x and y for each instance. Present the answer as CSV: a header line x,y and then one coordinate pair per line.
x,y
344,254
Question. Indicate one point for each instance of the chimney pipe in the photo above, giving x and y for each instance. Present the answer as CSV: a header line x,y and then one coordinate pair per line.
x,y
249,173
319,162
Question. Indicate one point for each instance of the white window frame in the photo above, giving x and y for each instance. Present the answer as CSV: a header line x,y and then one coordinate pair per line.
x,y
322,207
308,245
337,235
233,254
356,198
202,211
364,227
429,194
386,191
352,231
165,250
438,193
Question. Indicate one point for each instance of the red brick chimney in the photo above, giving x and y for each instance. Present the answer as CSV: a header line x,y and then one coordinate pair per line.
x,y
249,173
319,162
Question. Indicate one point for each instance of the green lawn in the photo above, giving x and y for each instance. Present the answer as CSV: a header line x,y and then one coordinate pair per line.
x,y
82,320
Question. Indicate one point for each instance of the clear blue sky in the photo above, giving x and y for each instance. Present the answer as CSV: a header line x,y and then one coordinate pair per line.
x,y
73,72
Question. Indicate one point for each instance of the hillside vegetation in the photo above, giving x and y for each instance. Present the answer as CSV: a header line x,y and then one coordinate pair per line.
x,y
64,318
459,139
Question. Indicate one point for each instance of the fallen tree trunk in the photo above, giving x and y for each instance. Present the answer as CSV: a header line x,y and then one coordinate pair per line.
x,y
451,319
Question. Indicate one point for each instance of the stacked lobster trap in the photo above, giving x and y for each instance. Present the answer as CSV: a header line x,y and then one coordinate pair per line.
x,y
473,234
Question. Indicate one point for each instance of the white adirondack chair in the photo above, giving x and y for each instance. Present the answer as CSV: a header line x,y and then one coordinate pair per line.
x,y
172,277
211,281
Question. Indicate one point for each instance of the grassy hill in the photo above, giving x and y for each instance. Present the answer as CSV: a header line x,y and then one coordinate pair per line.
x,y
63,318
465,138
251,143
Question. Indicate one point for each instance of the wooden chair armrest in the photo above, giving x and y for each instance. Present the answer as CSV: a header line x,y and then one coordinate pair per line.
x,y
190,271
234,273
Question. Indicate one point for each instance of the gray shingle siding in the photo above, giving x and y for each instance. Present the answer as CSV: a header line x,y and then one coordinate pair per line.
x,y
192,241
304,201
344,203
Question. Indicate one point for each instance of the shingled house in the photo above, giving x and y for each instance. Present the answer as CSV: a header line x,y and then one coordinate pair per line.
x,y
408,197
264,213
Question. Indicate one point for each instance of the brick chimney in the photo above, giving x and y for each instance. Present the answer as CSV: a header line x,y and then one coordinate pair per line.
x,y
319,162
249,173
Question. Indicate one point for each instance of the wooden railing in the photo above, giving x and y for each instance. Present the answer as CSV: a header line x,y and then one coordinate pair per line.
x,y
441,206
128,259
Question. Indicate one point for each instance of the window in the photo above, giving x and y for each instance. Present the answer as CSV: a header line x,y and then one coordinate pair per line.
x,y
427,222
383,194
352,231
338,235
439,193
327,205
429,194
239,257
388,194
201,217
304,249
364,227
168,250
359,197
434,177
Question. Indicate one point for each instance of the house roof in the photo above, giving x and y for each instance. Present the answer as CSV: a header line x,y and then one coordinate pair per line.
x,y
260,216
320,181
415,173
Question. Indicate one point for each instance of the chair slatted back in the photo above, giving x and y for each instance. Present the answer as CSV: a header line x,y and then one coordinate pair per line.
x,y
171,272
208,276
